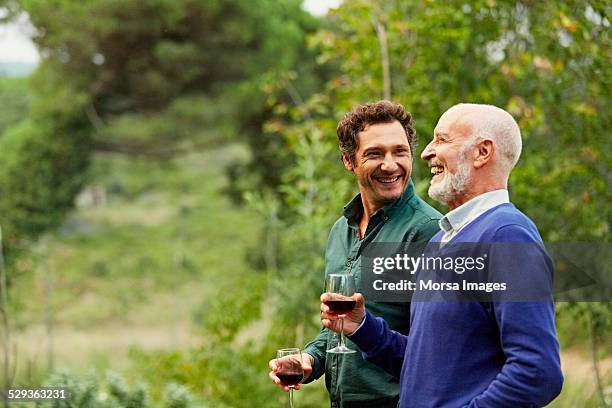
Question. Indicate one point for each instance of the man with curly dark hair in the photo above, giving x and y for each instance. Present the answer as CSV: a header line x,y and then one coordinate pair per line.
x,y
377,143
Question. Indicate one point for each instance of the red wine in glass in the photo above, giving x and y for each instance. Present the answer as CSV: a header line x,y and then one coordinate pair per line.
x,y
340,307
290,370
290,379
340,288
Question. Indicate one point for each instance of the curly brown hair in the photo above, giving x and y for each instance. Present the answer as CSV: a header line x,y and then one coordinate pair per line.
x,y
369,114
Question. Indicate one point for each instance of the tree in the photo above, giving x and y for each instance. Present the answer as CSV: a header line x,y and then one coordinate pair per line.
x,y
149,78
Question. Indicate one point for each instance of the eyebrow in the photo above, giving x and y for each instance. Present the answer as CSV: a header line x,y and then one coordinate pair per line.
x,y
379,147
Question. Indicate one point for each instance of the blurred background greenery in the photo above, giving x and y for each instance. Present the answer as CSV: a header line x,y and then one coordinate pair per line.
x,y
169,174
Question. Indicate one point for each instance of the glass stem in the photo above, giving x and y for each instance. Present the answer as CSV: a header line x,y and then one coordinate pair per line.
x,y
341,344
290,397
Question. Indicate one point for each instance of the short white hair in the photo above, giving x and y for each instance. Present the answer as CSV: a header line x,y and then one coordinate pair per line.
x,y
494,123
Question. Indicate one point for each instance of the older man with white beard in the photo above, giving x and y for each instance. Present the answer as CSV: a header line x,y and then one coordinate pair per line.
x,y
471,353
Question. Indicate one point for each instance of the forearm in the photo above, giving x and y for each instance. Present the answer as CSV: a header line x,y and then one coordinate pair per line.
x,y
380,345
317,349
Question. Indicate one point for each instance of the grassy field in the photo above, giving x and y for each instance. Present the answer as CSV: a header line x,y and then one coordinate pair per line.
x,y
134,265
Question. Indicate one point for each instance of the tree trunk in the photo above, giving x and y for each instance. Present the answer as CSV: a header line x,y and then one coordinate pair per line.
x,y
593,334
381,32
6,334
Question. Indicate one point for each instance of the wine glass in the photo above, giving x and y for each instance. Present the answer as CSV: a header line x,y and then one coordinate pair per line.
x,y
340,288
289,369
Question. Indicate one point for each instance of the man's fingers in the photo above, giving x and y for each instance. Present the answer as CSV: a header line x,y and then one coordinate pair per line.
x,y
272,374
272,364
359,299
273,377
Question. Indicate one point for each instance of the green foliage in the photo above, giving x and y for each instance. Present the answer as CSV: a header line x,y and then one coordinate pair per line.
x,y
40,173
594,318
152,78
578,394
83,391
46,156
154,229
88,392
14,100
177,396
143,59
161,251
227,374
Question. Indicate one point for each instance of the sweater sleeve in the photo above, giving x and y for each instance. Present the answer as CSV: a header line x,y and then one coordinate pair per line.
x,y
380,345
531,374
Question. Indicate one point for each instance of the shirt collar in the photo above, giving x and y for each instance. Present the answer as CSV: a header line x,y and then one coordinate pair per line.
x,y
456,219
354,209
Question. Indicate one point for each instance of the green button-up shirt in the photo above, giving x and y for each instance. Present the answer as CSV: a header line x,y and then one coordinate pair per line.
x,y
350,380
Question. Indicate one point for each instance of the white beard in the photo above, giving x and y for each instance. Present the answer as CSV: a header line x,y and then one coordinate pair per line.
x,y
452,185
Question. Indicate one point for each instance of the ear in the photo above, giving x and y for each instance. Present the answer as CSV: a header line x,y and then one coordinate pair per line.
x,y
486,148
347,162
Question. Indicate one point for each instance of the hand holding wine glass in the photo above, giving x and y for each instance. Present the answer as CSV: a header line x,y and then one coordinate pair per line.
x,y
287,370
338,301
351,320
307,363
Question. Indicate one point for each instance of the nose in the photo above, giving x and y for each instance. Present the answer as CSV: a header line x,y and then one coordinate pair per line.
x,y
389,165
428,153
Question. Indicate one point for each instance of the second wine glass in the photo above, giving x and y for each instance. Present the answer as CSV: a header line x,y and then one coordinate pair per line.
x,y
289,369
340,288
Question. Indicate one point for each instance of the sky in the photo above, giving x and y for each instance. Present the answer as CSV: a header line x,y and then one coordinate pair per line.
x,y
320,7
16,45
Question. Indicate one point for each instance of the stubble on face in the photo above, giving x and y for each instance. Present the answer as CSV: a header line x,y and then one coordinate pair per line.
x,y
371,184
383,164
453,185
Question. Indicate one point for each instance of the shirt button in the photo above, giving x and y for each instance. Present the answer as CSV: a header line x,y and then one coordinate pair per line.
x,y
349,263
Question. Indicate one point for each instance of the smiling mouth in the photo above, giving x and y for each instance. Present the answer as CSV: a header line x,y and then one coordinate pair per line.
x,y
388,180
435,170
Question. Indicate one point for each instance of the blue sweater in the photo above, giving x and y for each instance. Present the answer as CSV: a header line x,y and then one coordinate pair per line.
x,y
475,354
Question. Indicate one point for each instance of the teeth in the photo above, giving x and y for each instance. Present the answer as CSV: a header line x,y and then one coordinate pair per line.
x,y
388,179
436,169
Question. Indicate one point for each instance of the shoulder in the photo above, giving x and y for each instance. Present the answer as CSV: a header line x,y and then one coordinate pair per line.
x,y
507,224
417,211
418,219
424,210
340,223
426,217
339,229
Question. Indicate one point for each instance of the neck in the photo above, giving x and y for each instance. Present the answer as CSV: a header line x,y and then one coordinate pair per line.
x,y
478,189
369,208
